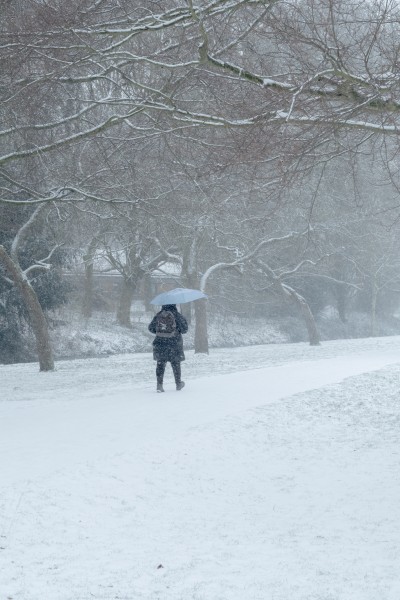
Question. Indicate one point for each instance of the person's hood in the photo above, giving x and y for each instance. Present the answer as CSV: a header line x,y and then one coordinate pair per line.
x,y
170,307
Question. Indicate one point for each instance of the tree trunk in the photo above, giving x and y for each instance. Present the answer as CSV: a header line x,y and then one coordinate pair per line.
x,y
302,304
125,303
341,306
341,300
187,312
147,292
87,302
36,316
200,317
340,291
313,333
200,331
374,298
190,281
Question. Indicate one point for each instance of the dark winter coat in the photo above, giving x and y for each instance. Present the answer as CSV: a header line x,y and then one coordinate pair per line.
x,y
169,349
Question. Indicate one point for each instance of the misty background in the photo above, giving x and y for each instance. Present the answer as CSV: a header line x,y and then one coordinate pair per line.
x,y
245,148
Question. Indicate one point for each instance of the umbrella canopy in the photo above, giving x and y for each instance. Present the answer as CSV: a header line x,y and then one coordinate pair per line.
x,y
178,296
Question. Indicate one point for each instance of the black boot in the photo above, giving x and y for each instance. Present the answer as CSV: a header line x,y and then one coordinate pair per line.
x,y
176,367
160,374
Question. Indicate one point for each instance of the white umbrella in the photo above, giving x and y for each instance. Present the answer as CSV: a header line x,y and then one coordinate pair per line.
x,y
178,296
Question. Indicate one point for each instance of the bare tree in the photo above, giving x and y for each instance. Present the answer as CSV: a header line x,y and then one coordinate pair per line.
x,y
211,96
21,279
132,247
315,66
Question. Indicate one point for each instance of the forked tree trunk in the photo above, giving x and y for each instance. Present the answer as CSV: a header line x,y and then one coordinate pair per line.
x,y
36,316
200,331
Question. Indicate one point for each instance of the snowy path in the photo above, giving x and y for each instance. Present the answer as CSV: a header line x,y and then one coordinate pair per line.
x,y
105,420
274,483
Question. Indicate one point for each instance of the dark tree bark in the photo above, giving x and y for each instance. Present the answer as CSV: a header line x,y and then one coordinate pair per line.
x,y
200,316
36,317
200,331
186,310
147,292
128,288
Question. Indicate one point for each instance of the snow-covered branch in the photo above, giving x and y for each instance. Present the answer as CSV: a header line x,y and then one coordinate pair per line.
x,y
23,231
43,264
244,258
7,279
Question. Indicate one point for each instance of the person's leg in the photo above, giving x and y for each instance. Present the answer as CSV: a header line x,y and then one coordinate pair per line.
x,y
160,369
176,367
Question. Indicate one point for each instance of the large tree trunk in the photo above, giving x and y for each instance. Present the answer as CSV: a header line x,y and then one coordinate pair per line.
x,y
200,331
36,317
200,318
187,312
302,304
125,303
147,292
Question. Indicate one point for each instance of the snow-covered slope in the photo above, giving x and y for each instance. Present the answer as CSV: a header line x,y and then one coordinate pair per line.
x,y
268,476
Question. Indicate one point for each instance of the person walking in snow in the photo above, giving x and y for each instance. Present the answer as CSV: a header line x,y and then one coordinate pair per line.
x,y
168,326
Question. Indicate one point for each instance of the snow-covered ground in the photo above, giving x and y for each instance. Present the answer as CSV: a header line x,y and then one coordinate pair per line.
x,y
274,475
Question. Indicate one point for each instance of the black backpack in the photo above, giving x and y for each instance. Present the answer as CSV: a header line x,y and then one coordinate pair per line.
x,y
165,324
